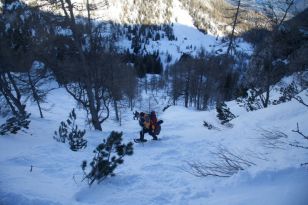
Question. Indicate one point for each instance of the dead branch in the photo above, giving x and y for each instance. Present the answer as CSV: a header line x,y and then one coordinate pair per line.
x,y
273,139
298,146
299,132
300,100
226,164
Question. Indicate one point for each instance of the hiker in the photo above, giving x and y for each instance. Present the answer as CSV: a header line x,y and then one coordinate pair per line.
x,y
136,115
149,124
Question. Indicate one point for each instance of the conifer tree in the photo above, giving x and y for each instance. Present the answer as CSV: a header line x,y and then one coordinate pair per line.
x,y
224,113
68,131
15,124
108,155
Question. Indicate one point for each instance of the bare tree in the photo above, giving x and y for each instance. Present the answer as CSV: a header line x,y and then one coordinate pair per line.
x,y
235,21
88,87
16,45
12,93
130,85
34,84
262,63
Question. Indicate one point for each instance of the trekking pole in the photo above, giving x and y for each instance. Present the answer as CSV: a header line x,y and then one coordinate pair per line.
x,y
149,105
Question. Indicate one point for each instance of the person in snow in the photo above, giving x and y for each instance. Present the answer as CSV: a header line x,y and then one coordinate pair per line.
x,y
136,115
149,124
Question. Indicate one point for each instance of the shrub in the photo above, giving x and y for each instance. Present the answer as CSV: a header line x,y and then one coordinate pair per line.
x,y
108,155
287,93
15,124
224,113
68,131
251,101
207,125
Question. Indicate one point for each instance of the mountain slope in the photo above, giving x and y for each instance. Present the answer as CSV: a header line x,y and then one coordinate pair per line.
x,y
35,169
167,27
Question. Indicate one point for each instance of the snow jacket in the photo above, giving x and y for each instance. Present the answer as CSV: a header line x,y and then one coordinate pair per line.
x,y
145,121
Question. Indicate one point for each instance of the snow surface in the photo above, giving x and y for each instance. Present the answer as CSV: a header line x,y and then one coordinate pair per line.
x,y
157,172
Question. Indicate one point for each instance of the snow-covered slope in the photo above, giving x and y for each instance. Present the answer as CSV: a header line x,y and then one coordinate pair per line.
x,y
188,39
166,27
157,172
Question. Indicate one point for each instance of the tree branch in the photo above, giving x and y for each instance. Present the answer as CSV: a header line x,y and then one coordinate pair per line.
x,y
300,133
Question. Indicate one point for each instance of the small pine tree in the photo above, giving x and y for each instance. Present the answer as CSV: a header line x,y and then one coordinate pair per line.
x,y
287,93
68,131
224,113
207,125
157,37
108,155
15,124
250,101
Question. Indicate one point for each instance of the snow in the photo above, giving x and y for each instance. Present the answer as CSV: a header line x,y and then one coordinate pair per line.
x,y
63,32
189,39
157,172
35,169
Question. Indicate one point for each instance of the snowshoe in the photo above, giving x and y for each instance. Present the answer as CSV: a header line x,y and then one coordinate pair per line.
x,y
140,141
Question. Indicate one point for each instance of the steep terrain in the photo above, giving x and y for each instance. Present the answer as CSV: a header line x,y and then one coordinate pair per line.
x,y
35,169
170,28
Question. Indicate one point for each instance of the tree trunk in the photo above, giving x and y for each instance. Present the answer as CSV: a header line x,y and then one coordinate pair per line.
x,y
93,111
9,88
267,91
232,36
115,104
35,95
186,93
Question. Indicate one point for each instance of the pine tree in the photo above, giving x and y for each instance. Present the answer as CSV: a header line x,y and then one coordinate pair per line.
x,y
224,113
287,93
15,124
250,101
207,125
68,131
108,155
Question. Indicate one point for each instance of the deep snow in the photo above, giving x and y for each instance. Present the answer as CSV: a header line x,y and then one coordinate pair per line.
x,y
157,172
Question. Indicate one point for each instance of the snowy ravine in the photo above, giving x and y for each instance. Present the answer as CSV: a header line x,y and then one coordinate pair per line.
x,y
157,172
189,40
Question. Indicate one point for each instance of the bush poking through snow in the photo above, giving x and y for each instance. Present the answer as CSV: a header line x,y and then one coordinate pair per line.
x,y
273,139
210,126
207,125
224,114
251,101
300,99
305,136
68,131
15,124
225,164
108,155
287,93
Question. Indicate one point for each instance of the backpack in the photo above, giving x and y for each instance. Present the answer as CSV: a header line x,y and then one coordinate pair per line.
x,y
155,125
157,129
147,121
153,118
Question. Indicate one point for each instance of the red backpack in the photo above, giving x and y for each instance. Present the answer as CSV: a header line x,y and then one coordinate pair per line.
x,y
154,125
